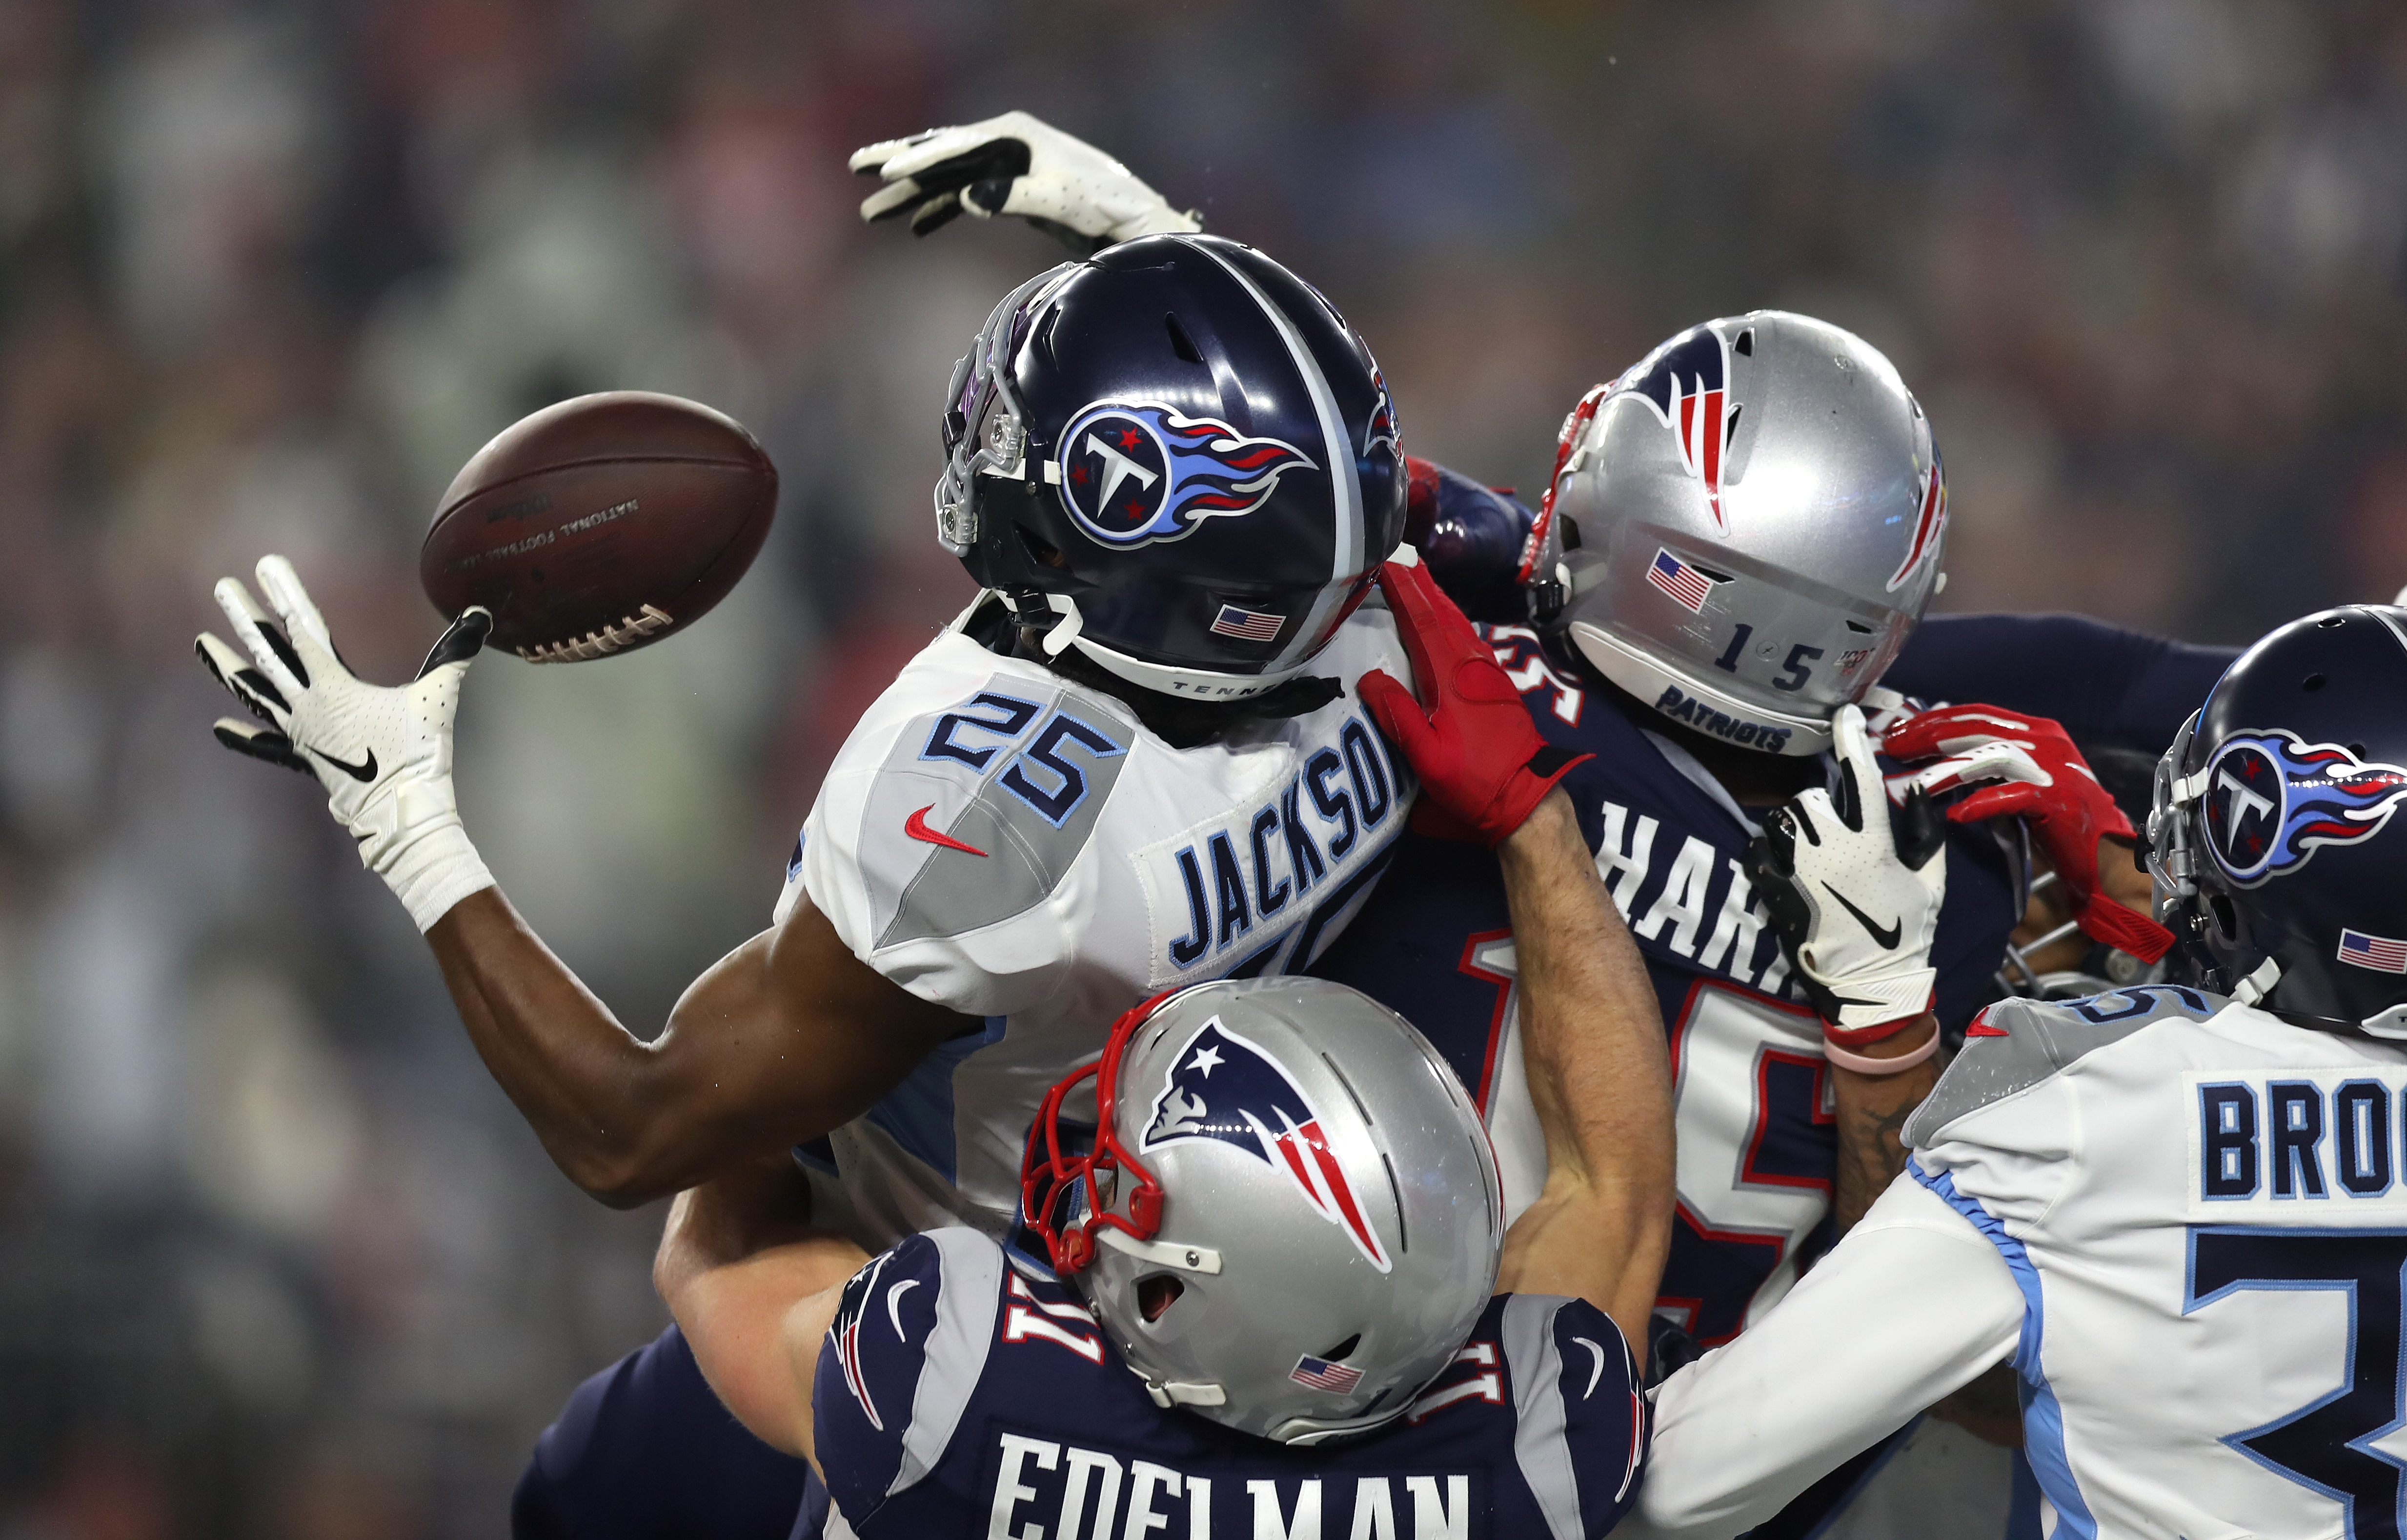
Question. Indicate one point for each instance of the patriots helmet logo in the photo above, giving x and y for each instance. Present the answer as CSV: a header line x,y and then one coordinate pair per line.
x,y
2271,801
1686,380
1134,473
1223,1087
1930,522
1383,420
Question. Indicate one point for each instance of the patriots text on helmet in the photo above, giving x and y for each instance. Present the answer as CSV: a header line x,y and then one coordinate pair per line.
x,y
1134,472
1681,707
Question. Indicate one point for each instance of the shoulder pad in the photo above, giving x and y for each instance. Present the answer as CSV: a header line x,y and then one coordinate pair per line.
x,y
906,1348
2017,1044
981,810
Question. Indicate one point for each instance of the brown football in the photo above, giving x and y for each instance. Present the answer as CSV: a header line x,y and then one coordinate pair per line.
x,y
600,524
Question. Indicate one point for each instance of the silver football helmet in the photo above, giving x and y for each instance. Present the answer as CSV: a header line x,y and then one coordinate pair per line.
x,y
1759,516
1291,1216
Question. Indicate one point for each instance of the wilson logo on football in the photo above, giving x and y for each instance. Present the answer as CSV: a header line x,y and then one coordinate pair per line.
x,y
2272,800
1224,1088
1135,472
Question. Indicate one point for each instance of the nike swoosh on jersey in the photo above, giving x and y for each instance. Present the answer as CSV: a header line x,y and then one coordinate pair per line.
x,y
894,1295
1886,935
1596,1372
916,827
365,771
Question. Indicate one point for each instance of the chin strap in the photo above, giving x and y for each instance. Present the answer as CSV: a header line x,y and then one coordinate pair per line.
x,y
1167,1394
2255,987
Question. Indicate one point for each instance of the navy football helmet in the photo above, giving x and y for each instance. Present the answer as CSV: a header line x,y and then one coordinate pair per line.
x,y
1179,459
2269,835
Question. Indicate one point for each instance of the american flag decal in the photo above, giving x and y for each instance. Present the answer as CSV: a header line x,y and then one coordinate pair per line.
x,y
2378,953
1678,579
1321,1374
1246,625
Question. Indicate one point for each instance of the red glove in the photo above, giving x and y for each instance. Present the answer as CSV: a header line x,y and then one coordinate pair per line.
x,y
2043,781
1482,764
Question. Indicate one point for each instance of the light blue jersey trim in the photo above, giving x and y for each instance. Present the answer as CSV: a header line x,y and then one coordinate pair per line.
x,y
919,1113
2043,1419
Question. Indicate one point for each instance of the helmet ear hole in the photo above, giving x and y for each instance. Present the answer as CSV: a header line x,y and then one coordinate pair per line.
x,y
1343,1349
1155,1295
2227,919
1040,550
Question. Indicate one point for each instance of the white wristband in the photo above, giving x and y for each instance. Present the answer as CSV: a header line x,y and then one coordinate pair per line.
x,y
411,837
434,870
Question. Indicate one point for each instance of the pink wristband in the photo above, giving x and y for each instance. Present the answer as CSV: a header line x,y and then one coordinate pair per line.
x,y
1864,1065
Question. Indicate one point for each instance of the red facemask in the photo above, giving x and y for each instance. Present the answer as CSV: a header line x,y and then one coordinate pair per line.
x,y
1046,1174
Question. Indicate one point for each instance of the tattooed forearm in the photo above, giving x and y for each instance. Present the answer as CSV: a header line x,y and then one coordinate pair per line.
x,y
1871,1113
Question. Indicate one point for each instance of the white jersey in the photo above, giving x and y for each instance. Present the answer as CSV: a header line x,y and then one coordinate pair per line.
x,y
1002,842
2180,1218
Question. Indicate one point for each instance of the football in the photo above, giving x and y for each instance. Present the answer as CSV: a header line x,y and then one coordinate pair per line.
x,y
600,524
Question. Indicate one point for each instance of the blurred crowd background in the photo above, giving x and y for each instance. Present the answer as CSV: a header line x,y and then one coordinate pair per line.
x,y
276,1259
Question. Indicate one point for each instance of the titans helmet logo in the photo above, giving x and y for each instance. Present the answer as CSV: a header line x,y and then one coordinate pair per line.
x,y
1222,1087
2271,801
1686,380
1134,473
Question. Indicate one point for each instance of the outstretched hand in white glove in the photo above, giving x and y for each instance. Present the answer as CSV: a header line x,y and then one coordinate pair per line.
x,y
1854,886
383,755
1018,165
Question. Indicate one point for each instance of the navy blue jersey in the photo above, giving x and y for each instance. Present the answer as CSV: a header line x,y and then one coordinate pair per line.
x,y
644,1450
1757,1146
958,1395
2112,689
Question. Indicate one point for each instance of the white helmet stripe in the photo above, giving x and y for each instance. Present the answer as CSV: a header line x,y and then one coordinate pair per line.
x,y
1347,558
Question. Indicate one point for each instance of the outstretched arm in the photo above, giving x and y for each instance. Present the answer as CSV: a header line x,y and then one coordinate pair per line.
x,y
1592,1041
2111,688
1013,166
1591,1036
1909,1308
784,1037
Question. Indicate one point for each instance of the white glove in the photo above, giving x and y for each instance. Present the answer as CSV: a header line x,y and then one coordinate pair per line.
x,y
1014,164
1854,889
384,755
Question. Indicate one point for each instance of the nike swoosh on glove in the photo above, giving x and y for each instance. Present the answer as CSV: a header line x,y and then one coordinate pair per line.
x,y
383,755
1853,887
1018,165
1482,763
2034,772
